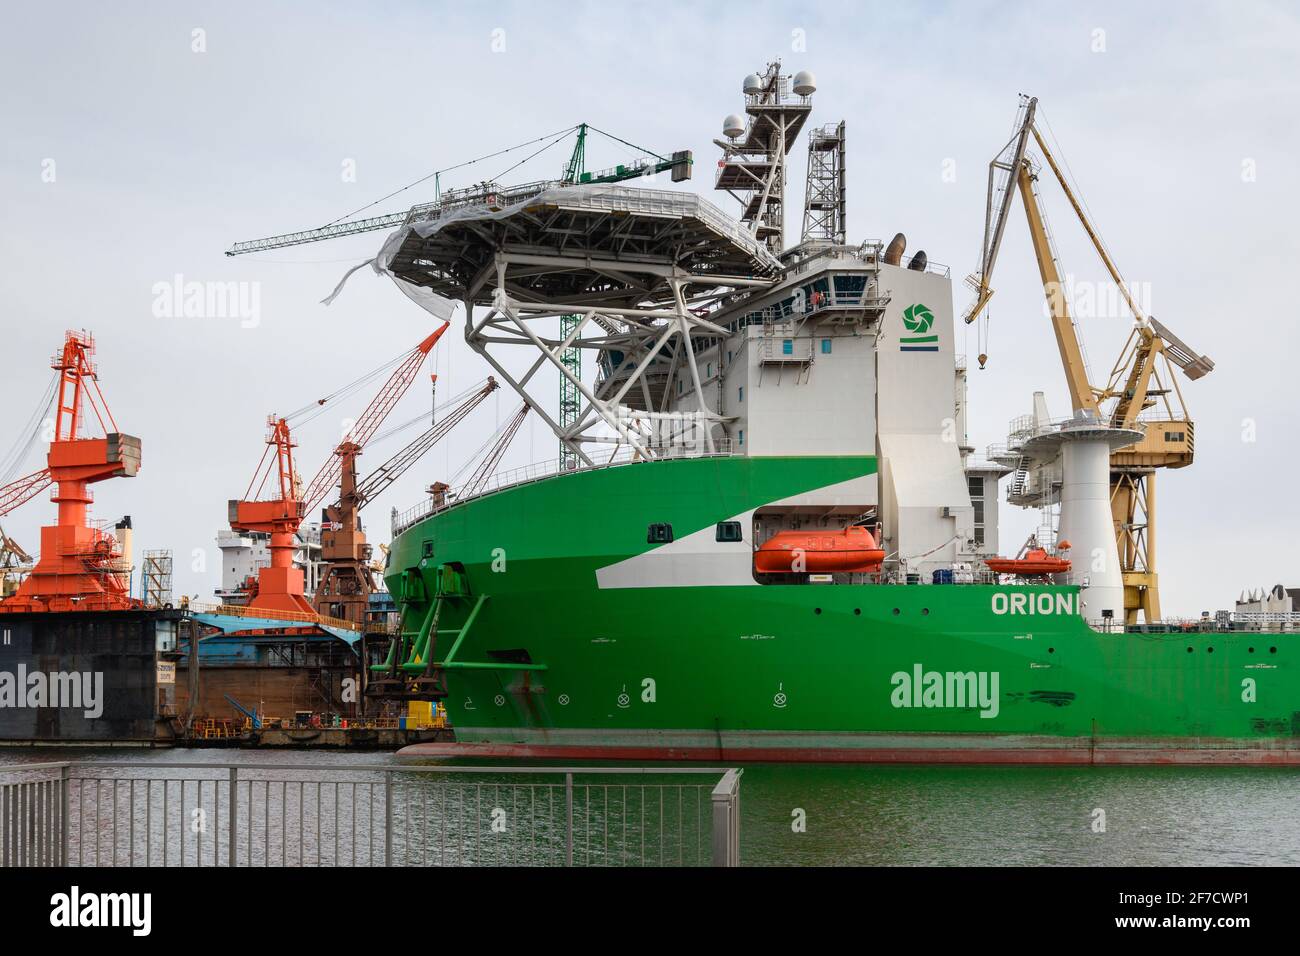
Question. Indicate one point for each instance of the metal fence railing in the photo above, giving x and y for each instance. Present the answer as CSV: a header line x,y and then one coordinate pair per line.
x,y
156,814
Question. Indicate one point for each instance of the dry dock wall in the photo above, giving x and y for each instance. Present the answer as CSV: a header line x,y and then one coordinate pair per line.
x,y
80,677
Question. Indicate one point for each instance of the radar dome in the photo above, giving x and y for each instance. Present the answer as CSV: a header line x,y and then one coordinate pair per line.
x,y
805,84
733,126
753,84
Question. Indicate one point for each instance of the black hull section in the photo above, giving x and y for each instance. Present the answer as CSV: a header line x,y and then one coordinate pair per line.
x,y
112,655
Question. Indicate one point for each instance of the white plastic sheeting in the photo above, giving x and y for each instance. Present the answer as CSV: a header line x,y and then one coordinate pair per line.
x,y
436,305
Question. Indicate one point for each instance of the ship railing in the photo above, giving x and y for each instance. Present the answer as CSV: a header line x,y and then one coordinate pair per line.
x,y
1024,428
621,454
109,814
868,299
1246,620
933,268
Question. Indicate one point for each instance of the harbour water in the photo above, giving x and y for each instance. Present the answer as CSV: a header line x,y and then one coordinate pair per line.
x,y
949,816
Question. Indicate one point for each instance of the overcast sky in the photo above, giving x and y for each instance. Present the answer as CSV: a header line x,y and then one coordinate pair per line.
x,y
136,149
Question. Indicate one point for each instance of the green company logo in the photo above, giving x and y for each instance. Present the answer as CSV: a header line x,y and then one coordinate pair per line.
x,y
919,319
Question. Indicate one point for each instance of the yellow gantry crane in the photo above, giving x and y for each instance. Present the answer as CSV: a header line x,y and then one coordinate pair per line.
x,y
1141,391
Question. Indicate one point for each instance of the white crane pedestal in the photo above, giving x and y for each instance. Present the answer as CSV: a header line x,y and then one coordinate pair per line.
x,y
1085,445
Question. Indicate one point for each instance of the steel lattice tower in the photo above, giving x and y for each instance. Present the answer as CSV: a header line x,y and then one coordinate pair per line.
x,y
570,397
824,207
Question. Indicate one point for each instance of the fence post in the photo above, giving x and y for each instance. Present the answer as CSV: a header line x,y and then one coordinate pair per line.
x,y
726,820
388,818
233,825
568,803
65,783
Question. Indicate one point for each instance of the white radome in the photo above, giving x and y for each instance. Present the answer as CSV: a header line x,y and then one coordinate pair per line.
x,y
733,126
805,84
753,84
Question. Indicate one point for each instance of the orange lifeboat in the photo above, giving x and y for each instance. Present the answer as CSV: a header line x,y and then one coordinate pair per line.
x,y
1036,562
853,549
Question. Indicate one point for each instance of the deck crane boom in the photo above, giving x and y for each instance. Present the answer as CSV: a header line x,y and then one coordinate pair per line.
x,y
280,587
22,490
488,465
347,580
1135,385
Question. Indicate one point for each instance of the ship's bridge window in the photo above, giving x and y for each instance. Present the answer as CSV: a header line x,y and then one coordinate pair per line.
x,y
729,531
661,532
826,346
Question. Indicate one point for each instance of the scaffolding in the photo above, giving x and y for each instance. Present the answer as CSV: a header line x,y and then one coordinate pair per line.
x,y
157,575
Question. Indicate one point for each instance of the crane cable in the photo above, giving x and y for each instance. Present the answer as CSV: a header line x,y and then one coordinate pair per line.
x,y
1074,183
531,156
439,172
482,451
442,406
639,149
26,439
301,415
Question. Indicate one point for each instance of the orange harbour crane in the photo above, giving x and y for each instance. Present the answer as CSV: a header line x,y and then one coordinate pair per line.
x,y
280,587
80,566
347,582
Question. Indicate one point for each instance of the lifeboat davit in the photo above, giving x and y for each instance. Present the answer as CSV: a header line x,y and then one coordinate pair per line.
x,y
1035,562
850,550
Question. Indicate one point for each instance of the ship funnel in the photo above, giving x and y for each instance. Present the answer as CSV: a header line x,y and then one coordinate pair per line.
x,y
124,534
919,261
894,251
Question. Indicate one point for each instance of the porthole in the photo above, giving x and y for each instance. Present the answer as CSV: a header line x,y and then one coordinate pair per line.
x,y
925,612
895,612
817,610
857,610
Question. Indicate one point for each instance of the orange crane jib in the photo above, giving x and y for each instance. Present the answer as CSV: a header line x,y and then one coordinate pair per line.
x,y
281,586
348,578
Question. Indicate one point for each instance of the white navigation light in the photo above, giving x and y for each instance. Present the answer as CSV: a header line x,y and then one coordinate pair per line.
x,y
805,84
733,126
753,84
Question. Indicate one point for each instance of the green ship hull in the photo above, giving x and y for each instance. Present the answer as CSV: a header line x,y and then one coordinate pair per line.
x,y
512,601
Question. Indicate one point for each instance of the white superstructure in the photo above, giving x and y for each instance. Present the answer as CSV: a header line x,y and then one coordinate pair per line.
x,y
243,553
